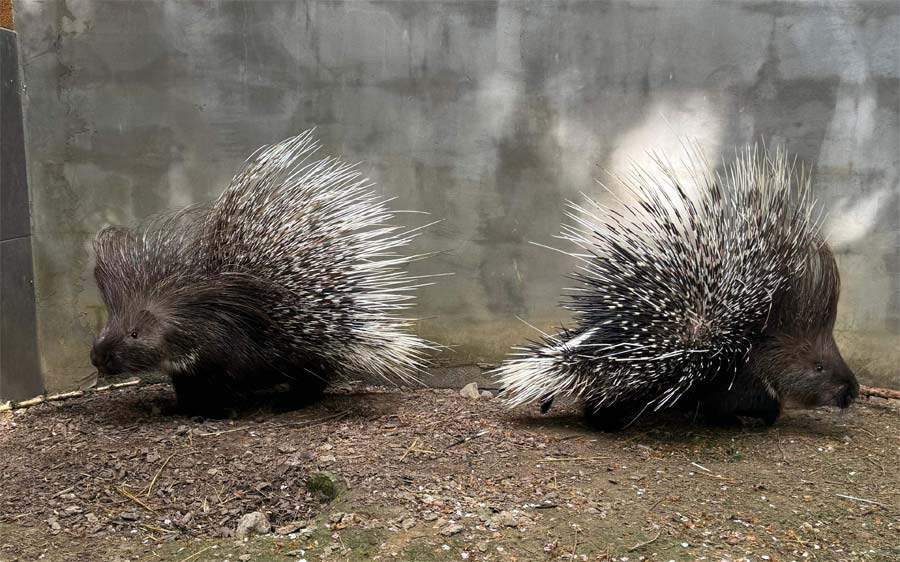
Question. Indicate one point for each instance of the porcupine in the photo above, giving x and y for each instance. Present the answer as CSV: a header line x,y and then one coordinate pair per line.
x,y
721,301
291,276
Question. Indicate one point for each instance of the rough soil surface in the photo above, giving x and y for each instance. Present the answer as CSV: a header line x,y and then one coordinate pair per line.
x,y
430,475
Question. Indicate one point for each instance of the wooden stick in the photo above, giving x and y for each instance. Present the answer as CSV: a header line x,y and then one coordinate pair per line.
x,y
887,393
7,406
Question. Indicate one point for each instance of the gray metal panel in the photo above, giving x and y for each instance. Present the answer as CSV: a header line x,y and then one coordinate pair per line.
x,y
19,369
13,191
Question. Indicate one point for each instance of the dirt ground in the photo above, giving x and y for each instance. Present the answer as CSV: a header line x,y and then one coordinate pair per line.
x,y
430,475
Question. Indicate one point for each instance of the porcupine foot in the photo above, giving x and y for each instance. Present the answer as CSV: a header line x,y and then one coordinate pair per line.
x,y
305,387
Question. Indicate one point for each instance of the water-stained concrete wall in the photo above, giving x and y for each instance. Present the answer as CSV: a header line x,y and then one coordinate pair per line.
x,y
487,114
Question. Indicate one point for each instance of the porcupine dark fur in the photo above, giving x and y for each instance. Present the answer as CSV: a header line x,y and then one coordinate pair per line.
x,y
720,299
291,276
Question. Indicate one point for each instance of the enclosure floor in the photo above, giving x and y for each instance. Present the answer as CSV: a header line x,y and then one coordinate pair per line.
x,y
118,475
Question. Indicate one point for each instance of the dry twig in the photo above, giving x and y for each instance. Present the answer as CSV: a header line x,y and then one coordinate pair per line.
x,y
887,393
7,406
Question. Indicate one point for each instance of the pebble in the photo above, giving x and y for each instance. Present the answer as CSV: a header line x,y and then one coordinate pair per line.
x,y
452,529
487,394
470,391
252,523
505,519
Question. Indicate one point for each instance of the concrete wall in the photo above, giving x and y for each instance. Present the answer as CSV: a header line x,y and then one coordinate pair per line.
x,y
487,114
20,375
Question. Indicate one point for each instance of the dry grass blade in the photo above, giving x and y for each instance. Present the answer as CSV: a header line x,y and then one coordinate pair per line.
x,y
643,544
573,459
196,554
128,495
155,476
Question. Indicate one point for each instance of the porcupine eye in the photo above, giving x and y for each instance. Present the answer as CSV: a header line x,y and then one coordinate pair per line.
x,y
134,334
819,367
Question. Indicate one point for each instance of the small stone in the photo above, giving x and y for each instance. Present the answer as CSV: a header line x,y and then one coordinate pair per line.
x,y
128,516
325,485
505,519
244,557
225,532
182,430
72,510
54,524
429,516
452,529
470,391
487,394
91,518
408,523
252,523
287,448
327,459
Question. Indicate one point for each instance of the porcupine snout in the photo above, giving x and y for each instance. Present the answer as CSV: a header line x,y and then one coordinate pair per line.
x,y
846,377
808,373
839,377
103,357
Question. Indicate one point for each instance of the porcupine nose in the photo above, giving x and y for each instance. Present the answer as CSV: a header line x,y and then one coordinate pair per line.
x,y
851,389
851,392
102,360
